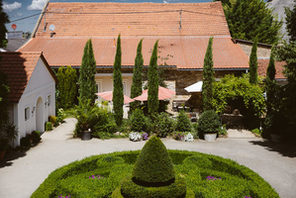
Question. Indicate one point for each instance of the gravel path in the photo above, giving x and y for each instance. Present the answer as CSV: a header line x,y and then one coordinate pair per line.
x,y
23,176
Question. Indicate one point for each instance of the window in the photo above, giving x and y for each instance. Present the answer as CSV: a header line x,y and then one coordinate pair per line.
x,y
49,100
27,113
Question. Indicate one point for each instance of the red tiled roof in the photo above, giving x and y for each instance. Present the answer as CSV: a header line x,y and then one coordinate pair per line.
x,y
183,52
279,66
134,19
18,68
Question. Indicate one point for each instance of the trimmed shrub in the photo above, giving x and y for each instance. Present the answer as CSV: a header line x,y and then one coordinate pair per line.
x,y
236,180
183,122
35,137
154,165
138,120
165,125
131,190
48,126
209,122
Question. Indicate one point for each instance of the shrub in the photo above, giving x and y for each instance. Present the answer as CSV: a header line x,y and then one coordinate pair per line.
x,y
138,120
99,120
208,122
257,131
222,130
4,144
239,93
183,122
154,164
179,135
236,180
131,190
165,125
35,137
25,142
53,120
48,126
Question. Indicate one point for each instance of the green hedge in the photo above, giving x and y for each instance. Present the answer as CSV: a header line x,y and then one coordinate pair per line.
x,y
236,180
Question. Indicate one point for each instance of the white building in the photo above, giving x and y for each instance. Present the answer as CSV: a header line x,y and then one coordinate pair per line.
x,y
32,90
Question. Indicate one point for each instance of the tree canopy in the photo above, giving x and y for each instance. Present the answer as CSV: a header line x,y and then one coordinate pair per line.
x,y
250,19
291,22
3,20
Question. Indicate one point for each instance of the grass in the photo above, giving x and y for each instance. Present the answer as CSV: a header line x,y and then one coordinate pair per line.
x,y
205,175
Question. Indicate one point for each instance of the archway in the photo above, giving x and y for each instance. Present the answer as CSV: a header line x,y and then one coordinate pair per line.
x,y
39,115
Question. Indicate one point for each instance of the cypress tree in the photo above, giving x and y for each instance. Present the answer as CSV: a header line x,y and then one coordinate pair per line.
x,y
3,20
67,87
117,85
208,77
61,88
291,24
87,83
136,88
153,102
253,65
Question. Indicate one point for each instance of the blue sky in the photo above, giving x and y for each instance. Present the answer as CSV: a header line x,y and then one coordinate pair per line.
x,y
17,9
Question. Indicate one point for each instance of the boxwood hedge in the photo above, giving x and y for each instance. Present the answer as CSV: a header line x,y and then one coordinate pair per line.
x,y
205,176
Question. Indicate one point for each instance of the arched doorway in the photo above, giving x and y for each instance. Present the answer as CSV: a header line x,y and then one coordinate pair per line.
x,y
39,115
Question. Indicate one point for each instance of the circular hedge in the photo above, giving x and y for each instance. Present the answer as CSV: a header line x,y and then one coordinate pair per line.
x,y
205,176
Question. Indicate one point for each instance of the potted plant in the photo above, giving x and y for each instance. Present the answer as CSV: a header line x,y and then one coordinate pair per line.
x,y
84,113
8,133
208,125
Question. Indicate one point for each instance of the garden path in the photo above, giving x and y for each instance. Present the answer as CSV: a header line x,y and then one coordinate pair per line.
x,y
23,176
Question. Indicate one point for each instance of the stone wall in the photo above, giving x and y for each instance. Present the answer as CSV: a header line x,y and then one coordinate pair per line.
x,y
262,52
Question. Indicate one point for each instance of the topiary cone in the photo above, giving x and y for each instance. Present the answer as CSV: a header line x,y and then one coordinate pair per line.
x,y
153,166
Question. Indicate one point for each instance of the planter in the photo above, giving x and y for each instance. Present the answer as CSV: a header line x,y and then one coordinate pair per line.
x,y
210,137
86,135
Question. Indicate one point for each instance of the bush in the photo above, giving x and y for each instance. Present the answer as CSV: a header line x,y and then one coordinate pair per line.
x,y
131,190
222,130
53,120
25,142
35,137
61,116
239,93
153,164
4,144
209,122
48,126
183,122
236,180
99,120
138,120
257,131
165,125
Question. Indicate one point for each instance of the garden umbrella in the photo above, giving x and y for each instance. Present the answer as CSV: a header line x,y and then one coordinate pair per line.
x,y
196,87
107,95
163,94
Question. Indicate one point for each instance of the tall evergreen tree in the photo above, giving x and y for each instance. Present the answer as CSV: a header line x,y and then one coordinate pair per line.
x,y
291,22
253,65
136,89
208,77
117,85
87,83
153,102
4,91
270,83
251,18
3,20
67,87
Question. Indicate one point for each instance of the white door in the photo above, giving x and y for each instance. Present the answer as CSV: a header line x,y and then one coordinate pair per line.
x,y
39,115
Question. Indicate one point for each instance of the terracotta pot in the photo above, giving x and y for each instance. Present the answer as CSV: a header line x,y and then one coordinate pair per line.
x,y
210,137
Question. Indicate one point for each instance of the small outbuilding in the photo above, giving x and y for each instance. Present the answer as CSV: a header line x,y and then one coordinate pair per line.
x,y
32,90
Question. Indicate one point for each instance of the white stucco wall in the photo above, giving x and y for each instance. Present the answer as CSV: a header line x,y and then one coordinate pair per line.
x,y
42,85
106,81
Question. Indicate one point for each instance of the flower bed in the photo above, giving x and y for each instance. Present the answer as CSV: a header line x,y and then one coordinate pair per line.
x,y
205,176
